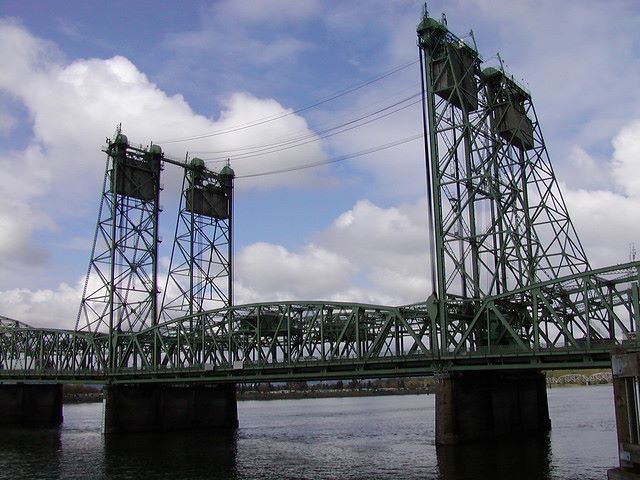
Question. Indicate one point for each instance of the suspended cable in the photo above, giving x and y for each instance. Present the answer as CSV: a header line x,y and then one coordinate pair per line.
x,y
336,159
272,118
315,137
321,126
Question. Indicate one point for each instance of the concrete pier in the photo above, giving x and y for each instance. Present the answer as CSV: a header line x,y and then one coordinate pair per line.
x,y
157,407
479,405
625,369
31,405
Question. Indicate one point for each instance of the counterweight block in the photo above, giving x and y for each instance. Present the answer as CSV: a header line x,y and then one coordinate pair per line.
x,y
453,74
210,202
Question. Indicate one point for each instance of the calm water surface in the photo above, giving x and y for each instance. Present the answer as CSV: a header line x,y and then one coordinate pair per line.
x,y
342,438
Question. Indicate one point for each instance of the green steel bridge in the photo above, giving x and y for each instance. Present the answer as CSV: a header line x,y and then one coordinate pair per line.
x,y
512,286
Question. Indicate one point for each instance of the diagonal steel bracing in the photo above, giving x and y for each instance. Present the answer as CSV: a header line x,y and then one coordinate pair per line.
x,y
199,276
512,284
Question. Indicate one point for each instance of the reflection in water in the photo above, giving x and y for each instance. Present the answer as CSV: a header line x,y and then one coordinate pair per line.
x,y
199,455
348,438
30,453
519,457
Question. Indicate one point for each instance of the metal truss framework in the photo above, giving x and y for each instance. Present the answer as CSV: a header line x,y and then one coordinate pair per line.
x,y
334,340
500,225
120,291
513,288
200,268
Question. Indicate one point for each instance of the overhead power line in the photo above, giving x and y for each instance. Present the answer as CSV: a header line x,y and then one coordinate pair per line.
x,y
272,118
268,149
342,158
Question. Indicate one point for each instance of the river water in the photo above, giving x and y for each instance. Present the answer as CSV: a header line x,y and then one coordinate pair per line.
x,y
330,438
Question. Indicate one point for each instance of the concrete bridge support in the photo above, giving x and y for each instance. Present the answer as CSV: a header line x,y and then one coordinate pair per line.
x,y
625,368
31,405
165,407
479,405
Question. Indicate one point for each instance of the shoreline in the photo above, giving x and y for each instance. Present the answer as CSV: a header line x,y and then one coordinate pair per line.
x,y
297,395
552,381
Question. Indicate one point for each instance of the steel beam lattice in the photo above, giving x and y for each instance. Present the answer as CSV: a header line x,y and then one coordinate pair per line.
x,y
512,285
120,291
199,276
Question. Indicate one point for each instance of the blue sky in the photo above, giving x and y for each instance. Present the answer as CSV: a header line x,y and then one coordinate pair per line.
x,y
353,230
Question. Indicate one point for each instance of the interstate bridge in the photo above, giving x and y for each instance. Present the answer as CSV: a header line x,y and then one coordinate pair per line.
x,y
513,291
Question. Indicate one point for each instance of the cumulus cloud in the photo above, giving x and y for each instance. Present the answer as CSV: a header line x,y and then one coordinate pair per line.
x,y
266,271
608,221
52,308
583,171
74,105
17,224
368,254
626,159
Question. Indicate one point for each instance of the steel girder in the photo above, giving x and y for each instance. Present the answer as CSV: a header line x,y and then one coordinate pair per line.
x,y
513,285
27,351
574,321
120,291
200,270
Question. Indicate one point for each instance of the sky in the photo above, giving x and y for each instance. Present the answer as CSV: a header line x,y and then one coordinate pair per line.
x,y
349,230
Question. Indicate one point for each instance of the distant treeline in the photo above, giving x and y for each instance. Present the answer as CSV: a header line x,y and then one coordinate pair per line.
x,y
339,388
347,388
72,393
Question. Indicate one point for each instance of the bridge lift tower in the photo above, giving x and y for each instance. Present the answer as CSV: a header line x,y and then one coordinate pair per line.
x,y
121,291
513,292
200,276
499,226
498,219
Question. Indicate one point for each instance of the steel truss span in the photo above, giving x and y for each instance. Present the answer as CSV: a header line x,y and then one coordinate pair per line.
x,y
573,321
512,286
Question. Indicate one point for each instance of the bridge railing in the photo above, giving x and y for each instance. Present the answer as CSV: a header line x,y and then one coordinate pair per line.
x,y
50,351
279,334
589,313
594,310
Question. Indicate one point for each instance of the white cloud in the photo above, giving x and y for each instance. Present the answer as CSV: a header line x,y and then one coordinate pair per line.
x,y
253,31
263,147
53,308
7,122
276,12
368,254
607,224
271,272
584,171
608,221
73,106
626,159
17,224
375,235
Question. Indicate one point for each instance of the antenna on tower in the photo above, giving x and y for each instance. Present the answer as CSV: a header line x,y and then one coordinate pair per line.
x,y
473,38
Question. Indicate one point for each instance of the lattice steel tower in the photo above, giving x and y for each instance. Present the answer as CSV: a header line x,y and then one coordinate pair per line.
x,y
200,272
120,291
498,220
